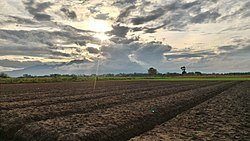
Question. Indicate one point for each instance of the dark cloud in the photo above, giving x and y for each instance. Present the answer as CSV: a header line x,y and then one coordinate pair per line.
x,y
117,59
119,31
174,16
93,50
80,43
78,62
18,20
38,51
45,37
152,16
37,10
242,12
40,7
69,13
124,2
189,5
94,8
42,17
23,50
69,28
125,13
242,51
153,29
187,55
57,53
227,47
18,64
246,49
102,16
205,17
49,44
134,56
42,43
151,53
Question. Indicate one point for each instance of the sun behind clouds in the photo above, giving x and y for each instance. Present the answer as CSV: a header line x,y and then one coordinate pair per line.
x,y
100,27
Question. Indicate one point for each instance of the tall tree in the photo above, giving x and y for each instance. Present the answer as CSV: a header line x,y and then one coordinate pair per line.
x,y
183,70
152,71
3,75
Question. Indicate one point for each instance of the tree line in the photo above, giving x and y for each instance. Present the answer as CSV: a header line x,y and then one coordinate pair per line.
x,y
150,72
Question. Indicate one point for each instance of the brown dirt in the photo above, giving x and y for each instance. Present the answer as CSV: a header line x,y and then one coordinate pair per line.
x,y
116,110
225,117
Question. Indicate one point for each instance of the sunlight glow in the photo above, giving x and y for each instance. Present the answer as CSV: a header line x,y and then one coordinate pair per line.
x,y
102,36
100,26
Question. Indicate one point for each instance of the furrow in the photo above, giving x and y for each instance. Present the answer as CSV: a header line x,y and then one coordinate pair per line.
x,y
120,122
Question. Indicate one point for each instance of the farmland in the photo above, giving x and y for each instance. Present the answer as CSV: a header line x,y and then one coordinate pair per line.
x,y
125,110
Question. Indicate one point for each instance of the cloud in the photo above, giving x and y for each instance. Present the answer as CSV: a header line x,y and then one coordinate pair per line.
x,y
240,10
18,64
134,56
151,16
117,59
124,2
119,31
42,17
205,17
70,14
150,54
102,16
188,55
16,20
227,47
58,30
93,50
173,15
37,10
125,13
43,37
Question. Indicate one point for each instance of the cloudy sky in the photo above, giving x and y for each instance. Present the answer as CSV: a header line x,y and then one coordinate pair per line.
x,y
75,36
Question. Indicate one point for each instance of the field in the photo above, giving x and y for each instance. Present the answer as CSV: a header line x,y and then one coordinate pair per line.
x,y
125,110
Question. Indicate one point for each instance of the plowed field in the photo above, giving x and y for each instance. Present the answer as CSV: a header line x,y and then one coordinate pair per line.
x,y
125,110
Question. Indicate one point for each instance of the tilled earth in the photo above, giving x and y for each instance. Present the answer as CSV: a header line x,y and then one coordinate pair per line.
x,y
125,110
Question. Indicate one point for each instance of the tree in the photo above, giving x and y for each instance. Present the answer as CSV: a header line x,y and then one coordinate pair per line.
x,y
27,76
198,73
152,71
183,70
3,75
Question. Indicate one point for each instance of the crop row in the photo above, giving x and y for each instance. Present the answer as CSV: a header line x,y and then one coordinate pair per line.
x,y
16,118
224,117
83,96
119,122
82,90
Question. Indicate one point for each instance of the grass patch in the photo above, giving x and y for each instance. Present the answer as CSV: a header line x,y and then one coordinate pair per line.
x,y
75,79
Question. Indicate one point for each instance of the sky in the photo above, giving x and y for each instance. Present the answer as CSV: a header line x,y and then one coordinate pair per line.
x,y
123,36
